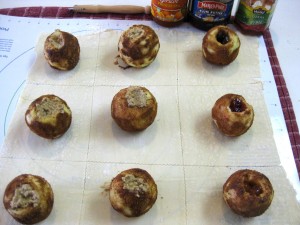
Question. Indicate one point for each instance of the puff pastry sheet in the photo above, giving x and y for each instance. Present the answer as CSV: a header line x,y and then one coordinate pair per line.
x,y
183,151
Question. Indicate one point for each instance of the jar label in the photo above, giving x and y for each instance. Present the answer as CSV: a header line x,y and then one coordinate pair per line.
x,y
212,11
169,10
256,13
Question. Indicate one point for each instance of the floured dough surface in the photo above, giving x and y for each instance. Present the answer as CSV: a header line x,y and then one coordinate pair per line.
x,y
184,152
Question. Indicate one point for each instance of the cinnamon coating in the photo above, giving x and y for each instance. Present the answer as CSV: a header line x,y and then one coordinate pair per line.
x,y
248,193
28,199
133,192
138,46
232,114
48,116
134,108
220,45
62,50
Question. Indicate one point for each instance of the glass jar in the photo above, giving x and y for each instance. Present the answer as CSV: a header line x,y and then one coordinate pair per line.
x,y
254,16
205,14
169,13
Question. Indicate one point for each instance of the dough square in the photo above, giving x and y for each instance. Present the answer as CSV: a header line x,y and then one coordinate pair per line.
x,y
169,207
21,142
204,197
88,44
204,144
83,73
193,69
65,178
162,71
158,144
190,39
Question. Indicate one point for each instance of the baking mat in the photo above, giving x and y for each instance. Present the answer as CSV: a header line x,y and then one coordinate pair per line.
x,y
285,100
184,152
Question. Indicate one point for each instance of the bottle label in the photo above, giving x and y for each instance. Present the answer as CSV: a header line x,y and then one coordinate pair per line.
x,y
169,10
256,13
212,11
